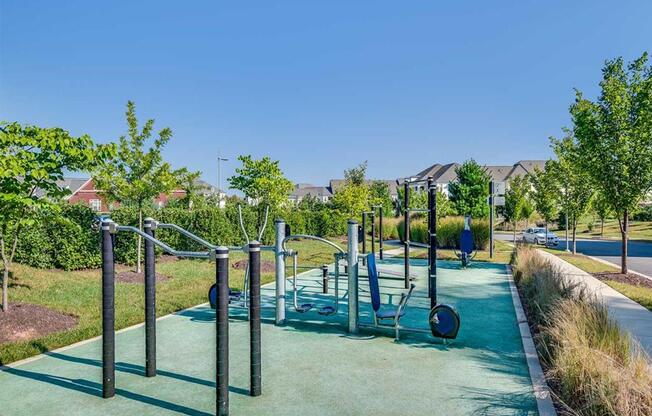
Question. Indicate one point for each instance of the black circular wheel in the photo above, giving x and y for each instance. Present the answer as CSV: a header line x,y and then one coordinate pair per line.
x,y
444,322
212,296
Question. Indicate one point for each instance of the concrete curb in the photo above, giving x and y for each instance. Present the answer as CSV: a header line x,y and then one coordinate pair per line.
x,y
545,405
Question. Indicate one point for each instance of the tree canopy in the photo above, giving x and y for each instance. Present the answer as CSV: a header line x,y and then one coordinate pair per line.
x,y
262,180
470,192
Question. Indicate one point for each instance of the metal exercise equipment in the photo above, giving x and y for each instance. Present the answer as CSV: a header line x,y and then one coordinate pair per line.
x,y
372,218
467,245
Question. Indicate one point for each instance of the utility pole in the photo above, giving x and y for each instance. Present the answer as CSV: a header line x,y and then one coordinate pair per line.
x,y
220,159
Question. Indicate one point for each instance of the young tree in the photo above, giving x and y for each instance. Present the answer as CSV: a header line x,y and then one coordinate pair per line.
x,y
353,198
137,175
614,136
33,160
470,192
516,201
188,183
262,181
544,194
574,182
379,195
602,209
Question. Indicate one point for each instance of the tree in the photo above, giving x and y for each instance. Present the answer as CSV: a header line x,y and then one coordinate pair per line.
x,y
379,195
135,176
353,198
262,181
188,183
614,136
33,160
544,194
470,192
602,209
516,201
574,182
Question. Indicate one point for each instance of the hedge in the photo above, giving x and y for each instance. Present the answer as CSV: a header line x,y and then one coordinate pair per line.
x,y
448,232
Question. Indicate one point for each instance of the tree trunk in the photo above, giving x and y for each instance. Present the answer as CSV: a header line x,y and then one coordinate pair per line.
x,y
574,237
140,240
601,227
624,228
545,239
5,286
514,232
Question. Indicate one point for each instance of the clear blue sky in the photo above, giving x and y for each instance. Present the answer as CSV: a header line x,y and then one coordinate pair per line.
x,y
321,86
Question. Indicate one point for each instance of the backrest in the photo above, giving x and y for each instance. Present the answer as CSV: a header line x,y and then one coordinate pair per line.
x,y
466,242
373,281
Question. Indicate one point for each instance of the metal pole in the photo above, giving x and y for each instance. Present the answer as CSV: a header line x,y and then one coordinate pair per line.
x,y
380,231
324,277
566,232
150,300
364,233
108,312
222,330
255,386
372,217
406,232
352,261
432,243
491,219
279,225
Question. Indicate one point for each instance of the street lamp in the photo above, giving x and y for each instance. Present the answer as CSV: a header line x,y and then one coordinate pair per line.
x,y
220,159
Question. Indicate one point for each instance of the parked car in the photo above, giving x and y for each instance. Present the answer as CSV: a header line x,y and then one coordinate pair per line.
x,y
538,236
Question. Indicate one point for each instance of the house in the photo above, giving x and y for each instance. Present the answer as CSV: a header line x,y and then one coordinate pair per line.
x,y
443,175
303,190
82,190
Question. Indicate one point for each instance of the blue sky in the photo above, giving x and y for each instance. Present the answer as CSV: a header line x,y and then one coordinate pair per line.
x,y
320,86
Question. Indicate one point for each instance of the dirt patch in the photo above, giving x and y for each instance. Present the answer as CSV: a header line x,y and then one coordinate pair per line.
x,y
166,258
266,266
131,276
25,321
630,279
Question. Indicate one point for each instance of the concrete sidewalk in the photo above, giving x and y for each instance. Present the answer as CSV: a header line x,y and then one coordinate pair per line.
x,y
630,315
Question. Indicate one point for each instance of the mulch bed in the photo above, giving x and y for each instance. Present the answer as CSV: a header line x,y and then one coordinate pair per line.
x,y
25,321
629,278
266,266
131,276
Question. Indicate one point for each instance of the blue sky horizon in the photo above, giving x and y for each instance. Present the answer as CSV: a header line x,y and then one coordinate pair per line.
x,y
319,86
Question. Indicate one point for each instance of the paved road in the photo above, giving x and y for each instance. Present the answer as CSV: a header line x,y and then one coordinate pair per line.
x,y
639,258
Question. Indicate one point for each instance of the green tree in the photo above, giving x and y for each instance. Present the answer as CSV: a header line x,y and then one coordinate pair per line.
x,y
380,195
353,198
188,183
574,182
470,192
136,175
262,181
601,207
614,136
516,201
544,194
33,160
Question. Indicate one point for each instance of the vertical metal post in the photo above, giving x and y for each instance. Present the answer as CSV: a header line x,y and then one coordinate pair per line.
x,y
255,385
352,261
372,217
280,271
491,219
432,243
150,300
380,231
222,330
324,277
108,312
364,233
406,232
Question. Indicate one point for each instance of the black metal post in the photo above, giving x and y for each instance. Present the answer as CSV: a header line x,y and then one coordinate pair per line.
x,y
406,232
255,388
380,231
491,221
364,233
372,217
222,330
108,312
432,243
150,301
324,277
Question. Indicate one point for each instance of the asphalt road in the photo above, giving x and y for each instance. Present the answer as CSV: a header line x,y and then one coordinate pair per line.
x,y
639,257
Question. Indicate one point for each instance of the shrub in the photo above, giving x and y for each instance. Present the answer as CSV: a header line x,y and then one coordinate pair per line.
x,y
448,232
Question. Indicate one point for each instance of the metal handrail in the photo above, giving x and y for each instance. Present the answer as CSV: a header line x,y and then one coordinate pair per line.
x,y
165,247
310,237
188,234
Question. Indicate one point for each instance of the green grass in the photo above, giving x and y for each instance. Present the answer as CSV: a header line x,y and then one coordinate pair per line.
x,y
638,230
640,295
79,293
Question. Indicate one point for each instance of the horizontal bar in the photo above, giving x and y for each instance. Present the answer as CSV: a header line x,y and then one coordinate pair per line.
x,y
310,237
188,234
165,247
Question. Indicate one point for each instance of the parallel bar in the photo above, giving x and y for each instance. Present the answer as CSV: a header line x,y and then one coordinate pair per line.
x,y
406,233
150,301
324,278
165,247
432,242
364,233
372,216
222,330
279,226
108,312
255,388
352,269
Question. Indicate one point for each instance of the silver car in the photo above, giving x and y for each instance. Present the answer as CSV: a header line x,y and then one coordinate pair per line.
x,y
538,236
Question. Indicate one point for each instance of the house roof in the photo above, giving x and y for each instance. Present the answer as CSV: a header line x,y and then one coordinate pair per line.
x,y
446,173
317,191
72,184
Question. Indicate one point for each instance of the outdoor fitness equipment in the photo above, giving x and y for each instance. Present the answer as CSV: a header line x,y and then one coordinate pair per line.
x,y
372,217
467,246
220,255
338,255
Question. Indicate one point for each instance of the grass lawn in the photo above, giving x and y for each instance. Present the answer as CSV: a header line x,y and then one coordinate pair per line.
x,y
639,230
79,293
638,294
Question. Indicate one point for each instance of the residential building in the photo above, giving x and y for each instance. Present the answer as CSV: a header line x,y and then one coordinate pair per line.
x,y
303,190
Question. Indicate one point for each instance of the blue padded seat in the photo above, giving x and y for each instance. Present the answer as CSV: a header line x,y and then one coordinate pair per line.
x,y
388,312
466,242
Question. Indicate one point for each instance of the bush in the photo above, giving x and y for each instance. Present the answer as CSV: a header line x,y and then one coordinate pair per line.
x,y
644,214
594,367
448,232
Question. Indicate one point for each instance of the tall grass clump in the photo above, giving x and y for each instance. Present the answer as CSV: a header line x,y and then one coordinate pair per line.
x,y
449,230
592,365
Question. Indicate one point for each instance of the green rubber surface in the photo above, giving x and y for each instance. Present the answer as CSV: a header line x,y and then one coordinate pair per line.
x,y
311,366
